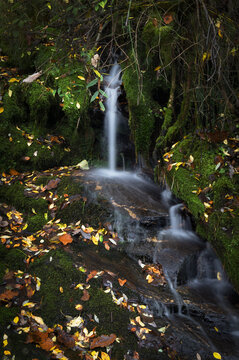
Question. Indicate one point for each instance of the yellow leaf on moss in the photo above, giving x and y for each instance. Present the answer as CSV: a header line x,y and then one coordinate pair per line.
x,y
81,77
5,342
12,80
104,356
16,319
1,110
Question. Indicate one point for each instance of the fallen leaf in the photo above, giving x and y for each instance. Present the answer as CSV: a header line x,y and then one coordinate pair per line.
x,y
122,281
52,184
104,356
61,289
168,19
65,339
217,355
8,295
65,239
102,341
92,274
79,307
13,80
76,322
85,296
83,165
1,110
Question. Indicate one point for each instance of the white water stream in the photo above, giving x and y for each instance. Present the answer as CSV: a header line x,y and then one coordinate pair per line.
x,y
112,90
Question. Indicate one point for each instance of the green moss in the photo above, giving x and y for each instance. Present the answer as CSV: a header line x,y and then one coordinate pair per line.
x,y
57,270
6,316
15,107
222,187
143,114
40,102
14,195
36,222
11,259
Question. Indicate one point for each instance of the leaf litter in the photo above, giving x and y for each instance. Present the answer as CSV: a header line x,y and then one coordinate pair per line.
x,y
20,287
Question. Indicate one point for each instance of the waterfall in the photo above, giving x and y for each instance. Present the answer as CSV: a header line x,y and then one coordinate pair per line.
x,y
112,91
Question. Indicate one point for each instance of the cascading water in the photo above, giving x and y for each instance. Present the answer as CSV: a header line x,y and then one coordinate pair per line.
x,y
192,270
112,91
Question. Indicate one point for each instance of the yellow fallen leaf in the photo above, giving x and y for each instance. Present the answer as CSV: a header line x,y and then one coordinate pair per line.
x,y
5,342
78,105
216,328
79,307
61,289
1,110
16,319
149,278
10,93
94,240
217,355
157,68
104,356
81,77
79,286
7,352
13,80
220,33
219,276
206,56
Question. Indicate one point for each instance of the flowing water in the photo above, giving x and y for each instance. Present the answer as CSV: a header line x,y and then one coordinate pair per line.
x,y
198,302
112,91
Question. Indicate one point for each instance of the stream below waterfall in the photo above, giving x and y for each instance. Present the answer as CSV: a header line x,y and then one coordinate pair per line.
x,y
195,299
197,302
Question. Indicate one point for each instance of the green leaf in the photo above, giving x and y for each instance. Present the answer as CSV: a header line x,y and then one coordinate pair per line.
x,y
94,96
102,106
103,93
92,83
103,3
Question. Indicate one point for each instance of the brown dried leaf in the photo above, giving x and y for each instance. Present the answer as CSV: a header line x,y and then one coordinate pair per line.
x,y
85,296
102,341
52,184
8,295
65,339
